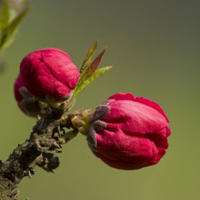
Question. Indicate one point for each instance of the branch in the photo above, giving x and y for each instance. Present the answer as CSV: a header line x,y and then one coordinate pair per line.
x,y
34,152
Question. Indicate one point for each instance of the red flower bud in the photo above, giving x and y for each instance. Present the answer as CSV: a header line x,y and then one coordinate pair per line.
x,y
26,101
49,74
17,85
128,132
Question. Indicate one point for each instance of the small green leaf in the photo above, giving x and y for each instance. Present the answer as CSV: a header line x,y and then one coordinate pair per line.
x,y
4,16
89,55
90,79
7,35
90,69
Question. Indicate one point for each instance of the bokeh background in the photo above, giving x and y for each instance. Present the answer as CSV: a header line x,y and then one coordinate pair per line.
x,y
154,47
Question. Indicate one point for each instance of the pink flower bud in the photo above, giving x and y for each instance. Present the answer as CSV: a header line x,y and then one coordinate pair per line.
x,y
128,132
26,101
17,85
49,74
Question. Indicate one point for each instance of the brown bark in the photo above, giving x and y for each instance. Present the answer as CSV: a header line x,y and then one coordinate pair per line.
x,y
34,152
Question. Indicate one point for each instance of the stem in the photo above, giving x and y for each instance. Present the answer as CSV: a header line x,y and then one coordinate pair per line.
x,y
33,152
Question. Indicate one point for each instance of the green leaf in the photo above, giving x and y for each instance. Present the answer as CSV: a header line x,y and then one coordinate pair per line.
x,y
90,79
7,35
4,16
90,69
88,56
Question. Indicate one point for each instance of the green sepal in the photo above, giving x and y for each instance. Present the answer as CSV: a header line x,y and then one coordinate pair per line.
x,y
8,33
90,79
4,15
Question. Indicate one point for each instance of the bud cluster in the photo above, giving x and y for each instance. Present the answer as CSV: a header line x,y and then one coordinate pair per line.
x,y
125,132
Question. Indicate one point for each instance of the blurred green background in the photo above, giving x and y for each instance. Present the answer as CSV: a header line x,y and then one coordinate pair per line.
x,y
154,47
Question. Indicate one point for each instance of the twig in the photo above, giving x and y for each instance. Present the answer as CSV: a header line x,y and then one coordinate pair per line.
x,y
33,152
